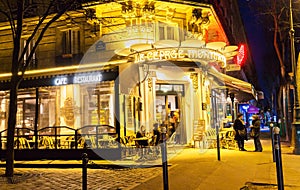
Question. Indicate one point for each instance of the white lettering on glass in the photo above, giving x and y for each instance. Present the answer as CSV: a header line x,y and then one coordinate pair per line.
x,y
79,79
87,78
60,81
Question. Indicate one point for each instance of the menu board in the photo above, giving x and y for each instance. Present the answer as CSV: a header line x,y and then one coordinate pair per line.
x,y
199,128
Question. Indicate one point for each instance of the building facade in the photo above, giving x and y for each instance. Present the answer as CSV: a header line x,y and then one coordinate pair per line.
x,y
114,67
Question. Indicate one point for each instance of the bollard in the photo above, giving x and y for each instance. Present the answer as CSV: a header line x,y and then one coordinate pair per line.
x,y
164,159
272,138
218,143
85,160
278,158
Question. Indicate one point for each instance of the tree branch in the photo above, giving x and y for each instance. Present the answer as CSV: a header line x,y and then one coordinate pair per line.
x,y
275,43
8,16
40,36
37,27
12,20
17,37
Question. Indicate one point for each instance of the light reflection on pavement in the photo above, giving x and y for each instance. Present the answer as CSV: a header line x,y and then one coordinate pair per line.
x,y
64,179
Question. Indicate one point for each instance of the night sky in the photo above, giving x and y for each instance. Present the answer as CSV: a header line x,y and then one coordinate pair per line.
x,y
260,40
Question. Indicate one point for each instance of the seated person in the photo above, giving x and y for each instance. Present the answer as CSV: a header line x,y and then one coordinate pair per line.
x,y
140,134
157,133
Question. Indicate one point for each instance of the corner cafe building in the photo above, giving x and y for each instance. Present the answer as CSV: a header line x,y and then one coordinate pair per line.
x,y
144,77
124,96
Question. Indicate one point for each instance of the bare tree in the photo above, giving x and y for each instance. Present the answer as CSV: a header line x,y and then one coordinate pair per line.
x,y
15,13
275,16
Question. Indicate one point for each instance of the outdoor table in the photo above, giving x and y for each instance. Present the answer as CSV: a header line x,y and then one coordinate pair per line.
x,y
142,142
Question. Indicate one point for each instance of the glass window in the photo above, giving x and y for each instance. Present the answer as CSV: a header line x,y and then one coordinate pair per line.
x,y
169,87
71,42
49,104
161,32
73,106
33,63
167,31
166,88
178,88
100,104
170,33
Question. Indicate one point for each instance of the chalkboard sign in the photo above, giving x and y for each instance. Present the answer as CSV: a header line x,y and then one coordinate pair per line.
x,y
199,128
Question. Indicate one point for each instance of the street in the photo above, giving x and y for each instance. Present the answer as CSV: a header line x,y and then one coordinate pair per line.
x,y
189,168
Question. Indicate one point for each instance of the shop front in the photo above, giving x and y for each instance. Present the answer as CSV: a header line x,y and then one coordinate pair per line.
x,y
230,93
177,88
72,112
72,109
162,64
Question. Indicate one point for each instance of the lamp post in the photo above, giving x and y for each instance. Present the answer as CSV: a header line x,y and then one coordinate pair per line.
x,y
296,112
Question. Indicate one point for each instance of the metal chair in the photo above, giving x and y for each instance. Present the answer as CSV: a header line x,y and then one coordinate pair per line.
x,y
229,140
47,142
171,142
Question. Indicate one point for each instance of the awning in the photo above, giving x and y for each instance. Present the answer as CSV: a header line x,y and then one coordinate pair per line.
x,y
77,74
253,109
242,90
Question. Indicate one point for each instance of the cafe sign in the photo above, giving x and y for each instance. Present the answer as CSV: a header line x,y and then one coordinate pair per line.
x,y
175,53
78,79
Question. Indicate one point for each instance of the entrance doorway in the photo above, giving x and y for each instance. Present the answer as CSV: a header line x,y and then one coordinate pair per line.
x,y
169,110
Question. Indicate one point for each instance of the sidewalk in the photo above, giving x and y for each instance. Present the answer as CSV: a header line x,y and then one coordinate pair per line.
x,y
189,168
236,170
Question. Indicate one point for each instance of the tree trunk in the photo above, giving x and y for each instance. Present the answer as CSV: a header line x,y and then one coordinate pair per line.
x,y
18,62
11,127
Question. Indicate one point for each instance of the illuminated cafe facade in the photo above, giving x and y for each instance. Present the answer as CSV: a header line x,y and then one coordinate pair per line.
x,y
139,67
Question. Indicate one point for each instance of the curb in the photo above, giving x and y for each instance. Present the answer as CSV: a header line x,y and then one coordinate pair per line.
x,y
90,166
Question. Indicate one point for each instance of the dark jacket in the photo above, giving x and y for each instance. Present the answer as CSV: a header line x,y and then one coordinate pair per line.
x,y
140,143
256,127
157,133
238,125
139,134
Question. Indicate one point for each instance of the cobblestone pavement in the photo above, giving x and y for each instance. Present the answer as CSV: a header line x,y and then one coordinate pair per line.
x,y
64,179
191,168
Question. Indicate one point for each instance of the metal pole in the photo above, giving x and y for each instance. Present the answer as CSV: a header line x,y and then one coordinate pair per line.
x,y
231,95
36,118
85,160
218,143
272,137
278,158
164,159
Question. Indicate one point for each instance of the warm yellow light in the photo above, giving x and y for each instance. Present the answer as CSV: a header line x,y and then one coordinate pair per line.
x,y
66,69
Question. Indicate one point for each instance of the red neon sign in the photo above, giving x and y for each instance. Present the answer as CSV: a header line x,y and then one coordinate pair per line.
x,y
241,56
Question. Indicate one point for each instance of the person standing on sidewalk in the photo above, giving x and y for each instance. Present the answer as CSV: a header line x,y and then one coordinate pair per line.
x,y
255,133
240,131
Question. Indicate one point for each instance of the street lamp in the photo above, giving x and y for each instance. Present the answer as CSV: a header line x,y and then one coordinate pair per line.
x,y
296,114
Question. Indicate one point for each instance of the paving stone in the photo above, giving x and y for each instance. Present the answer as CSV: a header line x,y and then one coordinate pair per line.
x,y
62,179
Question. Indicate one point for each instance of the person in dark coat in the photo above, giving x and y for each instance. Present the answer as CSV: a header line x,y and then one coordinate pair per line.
x,y
239,125
255,131
140,134
157,133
